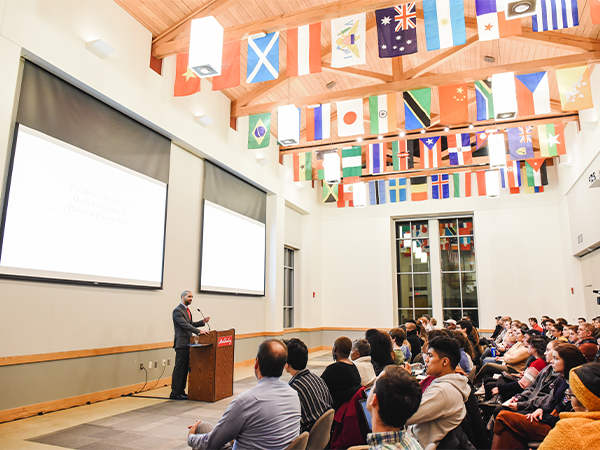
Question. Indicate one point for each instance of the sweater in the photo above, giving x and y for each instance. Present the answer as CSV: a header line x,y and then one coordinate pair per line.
x,y
365,370
516,357
574,431
589,348
343,380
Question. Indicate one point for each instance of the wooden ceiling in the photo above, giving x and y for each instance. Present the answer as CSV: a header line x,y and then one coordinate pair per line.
x,y
169,22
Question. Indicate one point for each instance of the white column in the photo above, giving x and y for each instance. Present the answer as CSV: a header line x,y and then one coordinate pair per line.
x,y
274,266
436,270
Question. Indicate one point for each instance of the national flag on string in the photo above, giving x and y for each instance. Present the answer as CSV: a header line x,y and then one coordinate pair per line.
x,y
186,81
552,139
459,148
511,176
377,192
418,188
430,152
492,23
520,142
462,184
403,154
397,30
537,174
263,58
574,88
555,15
330,192
481,190
382,113
348,36
533,94
319,163
304,50
345,195
230,67
318,122
595,11
348,188
485,101
350,117
259,131
303,166
351,162
417,108
440,186
397,190
526,188
481,142
444,23
454,107
376,158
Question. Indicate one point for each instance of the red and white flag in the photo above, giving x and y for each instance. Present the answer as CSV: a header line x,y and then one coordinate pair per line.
x,y
230,67
481,190
186,81
304,50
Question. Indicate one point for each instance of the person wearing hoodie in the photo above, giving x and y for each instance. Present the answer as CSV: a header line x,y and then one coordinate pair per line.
x,y
442,407
413,339
361,357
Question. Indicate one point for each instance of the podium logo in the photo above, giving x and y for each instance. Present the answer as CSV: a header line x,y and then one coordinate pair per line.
x,y
225,341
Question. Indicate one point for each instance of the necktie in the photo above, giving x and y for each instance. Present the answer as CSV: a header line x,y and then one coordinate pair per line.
x,y
189,313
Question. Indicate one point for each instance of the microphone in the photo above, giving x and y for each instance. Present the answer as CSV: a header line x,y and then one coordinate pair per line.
x,y
203,318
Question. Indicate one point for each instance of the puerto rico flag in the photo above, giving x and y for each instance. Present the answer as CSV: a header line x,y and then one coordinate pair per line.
x,y
431,156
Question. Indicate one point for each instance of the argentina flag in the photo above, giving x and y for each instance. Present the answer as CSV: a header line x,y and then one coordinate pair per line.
x,y
444,23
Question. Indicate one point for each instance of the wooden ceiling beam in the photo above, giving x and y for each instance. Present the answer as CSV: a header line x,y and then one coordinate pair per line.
x,y
358,73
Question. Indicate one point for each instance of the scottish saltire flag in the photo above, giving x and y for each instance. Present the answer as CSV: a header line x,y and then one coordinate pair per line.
x,y
536,172
403,154
444,23
377,192
485,102
318,122
555,15
462,184
533,94
397,30
259,131
263,58
417,108
376,158
397,190
552,139
491,21
459,148
382,113
303,166
440,186
351,162
511,175
431,155
520,142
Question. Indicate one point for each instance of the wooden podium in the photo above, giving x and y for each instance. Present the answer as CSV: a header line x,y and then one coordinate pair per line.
x,y
211,366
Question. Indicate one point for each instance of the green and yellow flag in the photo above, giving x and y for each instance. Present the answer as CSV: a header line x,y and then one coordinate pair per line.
x,y
303,166
259,131
330,193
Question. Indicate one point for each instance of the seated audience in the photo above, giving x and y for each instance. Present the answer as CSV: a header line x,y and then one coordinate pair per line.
x,y
547,325
587,344
498,328
400,346
501,343
341,377
395,397
381,349
361,357
434,324
467,327
413,339
596,327
533,323
426,321
313,393
249,417
466,351
450,324
556,331
513,361
579,321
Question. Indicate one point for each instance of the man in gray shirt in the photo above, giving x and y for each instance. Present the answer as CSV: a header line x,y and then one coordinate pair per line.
x,y
265,417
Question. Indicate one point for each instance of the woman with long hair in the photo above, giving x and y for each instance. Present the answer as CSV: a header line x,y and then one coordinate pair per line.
x,y
466,351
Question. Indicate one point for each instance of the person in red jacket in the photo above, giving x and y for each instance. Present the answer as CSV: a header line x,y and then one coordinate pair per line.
x,y
533,323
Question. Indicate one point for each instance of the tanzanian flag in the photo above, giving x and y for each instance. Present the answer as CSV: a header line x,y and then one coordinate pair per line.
x,y
417,108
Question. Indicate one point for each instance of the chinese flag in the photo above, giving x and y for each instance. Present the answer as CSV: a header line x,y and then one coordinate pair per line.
x,y
186,81
595,11
454,107
230,67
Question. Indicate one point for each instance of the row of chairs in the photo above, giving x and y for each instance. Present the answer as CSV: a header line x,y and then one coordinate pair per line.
x,y
319,435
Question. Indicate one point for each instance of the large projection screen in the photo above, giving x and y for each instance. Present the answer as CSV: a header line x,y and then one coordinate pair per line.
x,y
73,216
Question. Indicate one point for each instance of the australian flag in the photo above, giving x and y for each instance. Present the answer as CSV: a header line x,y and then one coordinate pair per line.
x,y
397,30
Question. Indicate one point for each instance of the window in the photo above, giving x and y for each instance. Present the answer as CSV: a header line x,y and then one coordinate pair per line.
x,y
413,269
288,288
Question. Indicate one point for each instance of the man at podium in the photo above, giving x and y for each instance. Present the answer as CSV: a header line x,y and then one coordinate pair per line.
x,y
184,328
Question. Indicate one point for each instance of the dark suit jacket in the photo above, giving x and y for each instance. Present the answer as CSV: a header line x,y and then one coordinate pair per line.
x,y
184,327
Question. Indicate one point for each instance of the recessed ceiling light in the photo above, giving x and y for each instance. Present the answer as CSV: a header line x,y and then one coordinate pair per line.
x,y
359,139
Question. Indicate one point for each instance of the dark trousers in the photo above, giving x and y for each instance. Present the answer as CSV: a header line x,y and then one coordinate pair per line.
x,y
180,371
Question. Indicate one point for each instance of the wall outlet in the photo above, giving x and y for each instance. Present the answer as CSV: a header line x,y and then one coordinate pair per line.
x,y
168,361
155,364
150,365
164,362
141,366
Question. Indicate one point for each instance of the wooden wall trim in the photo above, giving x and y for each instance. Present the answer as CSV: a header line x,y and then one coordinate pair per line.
x,y
249,362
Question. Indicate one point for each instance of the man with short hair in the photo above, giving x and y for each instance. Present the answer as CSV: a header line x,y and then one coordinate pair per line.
x,y
533,323
450,324
395,397
313,393
587,344
361,357
547,327
581,320
265,417
412,337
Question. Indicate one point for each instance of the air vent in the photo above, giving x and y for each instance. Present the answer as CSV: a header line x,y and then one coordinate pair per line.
x,y
580,239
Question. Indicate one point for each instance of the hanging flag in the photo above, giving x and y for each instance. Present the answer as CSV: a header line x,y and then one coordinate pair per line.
x,y
418,188
319,164
345,197
263,58
595,11
485,102
520,142
462,184
481,190
348,36
348,189
454,107
351,162
497,151
376,158
417,108
382,113
303,166
492,23
444,23
377,192
318,122
330,192
459,148
440,186
574,88
555,15
431,155
397,30
552,139
259,131
526,188
533,94
481,142
350,117
186,81
230,67
537,174
304,50
511,175
397,190
403,154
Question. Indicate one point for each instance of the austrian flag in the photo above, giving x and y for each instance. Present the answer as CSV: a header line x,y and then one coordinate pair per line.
x,y
304,50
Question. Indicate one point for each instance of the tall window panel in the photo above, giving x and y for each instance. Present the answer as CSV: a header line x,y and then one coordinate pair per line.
x,y
459,277
288,288
413,269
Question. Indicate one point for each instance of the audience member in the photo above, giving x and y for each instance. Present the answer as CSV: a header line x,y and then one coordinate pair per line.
x,y
400,345
313,393
361,357
413,339
382,354
556,331
466,351
562,321
533,323
341,377
427,324
587,344
596,326
450,324
513,361
498,328
467,327
249,417
581,320
572,338
422,333
434,324
547,325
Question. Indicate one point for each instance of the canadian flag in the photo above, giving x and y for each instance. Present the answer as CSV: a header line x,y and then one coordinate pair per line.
x,y
304,50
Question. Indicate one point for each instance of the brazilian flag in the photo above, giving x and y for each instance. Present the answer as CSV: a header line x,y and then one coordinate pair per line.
x,y
259,131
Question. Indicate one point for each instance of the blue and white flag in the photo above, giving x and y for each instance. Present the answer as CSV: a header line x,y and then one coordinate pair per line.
x,y
377,192
397,190
440,186
444,23
555,15
397,30
263,58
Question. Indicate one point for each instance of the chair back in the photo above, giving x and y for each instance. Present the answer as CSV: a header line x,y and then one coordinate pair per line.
x,y
299,443
320,433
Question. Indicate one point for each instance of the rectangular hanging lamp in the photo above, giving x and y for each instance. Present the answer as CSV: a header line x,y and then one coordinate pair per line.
x,y
497,150
504,93
332,168
288,125
206,47
492,183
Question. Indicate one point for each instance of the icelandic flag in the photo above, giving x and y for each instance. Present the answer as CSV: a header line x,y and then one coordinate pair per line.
x,y
376,159
555,15
377,192
318,122
444,23
263,58
440,186
431,156
459,148
533,94
397,190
